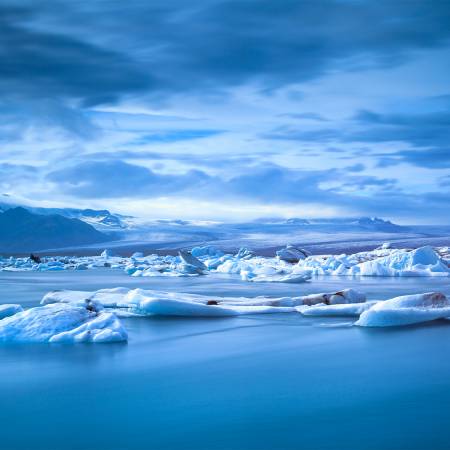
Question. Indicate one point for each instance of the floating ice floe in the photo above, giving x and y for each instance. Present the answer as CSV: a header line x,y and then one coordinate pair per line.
x,y
335,298
148,302
347,302
62,323
406,310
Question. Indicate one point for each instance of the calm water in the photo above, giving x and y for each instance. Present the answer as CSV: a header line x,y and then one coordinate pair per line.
x,y
276,382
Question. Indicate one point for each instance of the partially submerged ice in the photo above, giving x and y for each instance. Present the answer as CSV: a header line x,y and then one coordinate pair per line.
x,y
158,303
347,302
406,310
62,323
335,298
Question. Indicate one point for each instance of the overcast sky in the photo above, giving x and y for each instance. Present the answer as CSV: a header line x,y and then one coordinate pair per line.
x,y
228,110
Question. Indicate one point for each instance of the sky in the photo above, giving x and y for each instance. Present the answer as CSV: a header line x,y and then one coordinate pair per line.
x,y
228,109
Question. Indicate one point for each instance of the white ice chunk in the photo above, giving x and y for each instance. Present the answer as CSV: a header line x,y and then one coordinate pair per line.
x,y
292,254
166,307
107,253
276,278
423,261
406,310
334,298
145,302
62,323
190,260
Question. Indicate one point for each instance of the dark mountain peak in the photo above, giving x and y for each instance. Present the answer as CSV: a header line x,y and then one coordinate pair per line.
x,y
18,211
23,231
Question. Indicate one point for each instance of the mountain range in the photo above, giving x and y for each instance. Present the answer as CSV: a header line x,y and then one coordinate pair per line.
x,y
24,231
29,228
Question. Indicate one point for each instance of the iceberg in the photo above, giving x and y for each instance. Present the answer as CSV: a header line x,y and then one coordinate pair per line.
x,y
406,310
292,254
244,253
385,262
62,323
190,260
419,262
142,302
107,253
149,302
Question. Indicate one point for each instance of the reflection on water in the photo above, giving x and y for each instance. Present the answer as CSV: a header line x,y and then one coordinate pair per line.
x,y
262,382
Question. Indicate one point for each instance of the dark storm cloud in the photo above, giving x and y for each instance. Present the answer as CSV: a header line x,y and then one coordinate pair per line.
x,y
39,64
98,51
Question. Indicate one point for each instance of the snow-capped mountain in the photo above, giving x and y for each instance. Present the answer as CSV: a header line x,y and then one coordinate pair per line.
x,y
102,220
26,231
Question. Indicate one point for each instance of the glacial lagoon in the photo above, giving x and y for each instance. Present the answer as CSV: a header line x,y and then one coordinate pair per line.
x,y
249,382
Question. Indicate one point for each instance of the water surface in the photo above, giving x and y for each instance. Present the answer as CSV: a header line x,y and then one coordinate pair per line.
x,y
278,381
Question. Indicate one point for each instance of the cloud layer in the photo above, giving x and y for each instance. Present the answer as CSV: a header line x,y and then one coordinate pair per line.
x,y
335,105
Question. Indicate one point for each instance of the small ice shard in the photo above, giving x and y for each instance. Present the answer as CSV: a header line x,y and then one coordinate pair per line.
x,y
190,260
9,310
406,310
334,298
107,253
137,255
244,253
385,246
292,254
342,309
62,323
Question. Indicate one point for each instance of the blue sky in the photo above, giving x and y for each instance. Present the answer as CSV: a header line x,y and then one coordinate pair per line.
x,y
228,110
